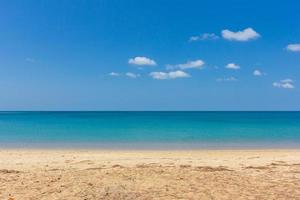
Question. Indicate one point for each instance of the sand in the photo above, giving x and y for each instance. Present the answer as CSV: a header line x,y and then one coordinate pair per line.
x,y
204,174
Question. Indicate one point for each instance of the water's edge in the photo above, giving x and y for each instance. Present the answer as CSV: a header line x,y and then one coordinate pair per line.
x,y
149,145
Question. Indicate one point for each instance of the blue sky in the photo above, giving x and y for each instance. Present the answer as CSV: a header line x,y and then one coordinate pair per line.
x,y
149,55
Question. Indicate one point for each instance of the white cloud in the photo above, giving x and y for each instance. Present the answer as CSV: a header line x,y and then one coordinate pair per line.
x,y
293,47
139,60
229,79
232,66
257,73
196,64
169,75
132,75
242,36
204,36
286,84
114,74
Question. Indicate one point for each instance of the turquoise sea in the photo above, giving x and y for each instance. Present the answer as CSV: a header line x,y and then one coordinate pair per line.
x,y
179,130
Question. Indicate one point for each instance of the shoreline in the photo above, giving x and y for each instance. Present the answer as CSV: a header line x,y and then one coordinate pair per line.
x,y
145,150
151,146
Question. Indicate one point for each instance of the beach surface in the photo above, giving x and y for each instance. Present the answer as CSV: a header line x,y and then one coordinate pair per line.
x,y
141,174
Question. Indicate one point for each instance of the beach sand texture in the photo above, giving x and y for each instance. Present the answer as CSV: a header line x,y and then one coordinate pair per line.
x,y
94,174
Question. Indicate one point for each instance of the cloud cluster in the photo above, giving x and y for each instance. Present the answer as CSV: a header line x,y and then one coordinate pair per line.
x,y
178,70
286,84
241,36
169,75
232,66
293,47
140,60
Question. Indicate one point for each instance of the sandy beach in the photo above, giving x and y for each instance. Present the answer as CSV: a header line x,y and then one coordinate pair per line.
x,y
197,174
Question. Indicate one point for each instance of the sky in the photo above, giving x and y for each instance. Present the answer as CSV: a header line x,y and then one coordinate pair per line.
x,y
150,55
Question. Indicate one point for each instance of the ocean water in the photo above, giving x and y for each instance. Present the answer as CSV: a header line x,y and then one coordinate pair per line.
x,y
150,129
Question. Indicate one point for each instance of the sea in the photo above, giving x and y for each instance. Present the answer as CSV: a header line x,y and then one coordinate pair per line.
x,y
150,130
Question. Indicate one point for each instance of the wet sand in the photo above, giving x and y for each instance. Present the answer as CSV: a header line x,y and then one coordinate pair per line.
x,y
124,174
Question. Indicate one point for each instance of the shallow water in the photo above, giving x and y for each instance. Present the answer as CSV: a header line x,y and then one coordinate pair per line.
x,y
150,129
